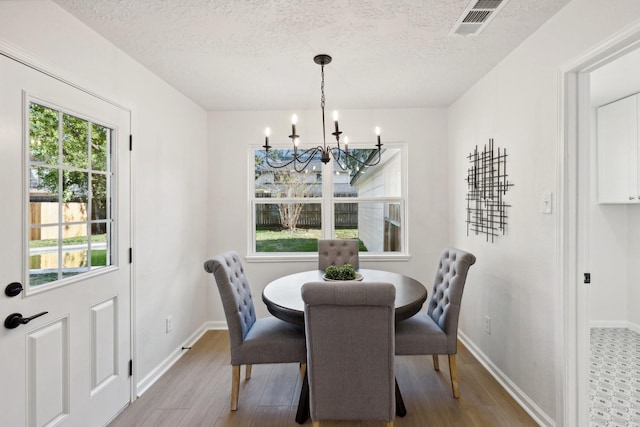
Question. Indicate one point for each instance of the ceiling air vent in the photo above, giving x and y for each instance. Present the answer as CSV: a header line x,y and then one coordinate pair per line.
x,y
476,16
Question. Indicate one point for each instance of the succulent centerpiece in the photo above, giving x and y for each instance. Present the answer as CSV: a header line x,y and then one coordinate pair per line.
x,y
346,272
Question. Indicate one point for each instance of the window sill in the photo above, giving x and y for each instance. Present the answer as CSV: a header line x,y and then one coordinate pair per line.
x,y
313,257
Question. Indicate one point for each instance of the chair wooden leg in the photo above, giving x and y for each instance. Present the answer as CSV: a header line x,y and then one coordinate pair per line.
x,y
316,424
247,372
235,386
303,369
454,376
401,410
436,362
390,424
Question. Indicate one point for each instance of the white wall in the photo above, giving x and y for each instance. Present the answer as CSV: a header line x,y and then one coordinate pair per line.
x,y
169,169
513,280
231,134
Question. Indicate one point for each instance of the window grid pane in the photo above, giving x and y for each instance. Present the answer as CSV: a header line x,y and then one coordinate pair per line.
x,y
75,135
69,202
381,180
288,226
273,182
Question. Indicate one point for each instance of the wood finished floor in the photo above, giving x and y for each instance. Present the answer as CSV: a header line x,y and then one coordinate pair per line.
x,y
196,392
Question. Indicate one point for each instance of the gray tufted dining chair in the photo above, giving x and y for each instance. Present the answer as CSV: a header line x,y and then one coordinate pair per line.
x,y
436,332
253,341
350,368
337,252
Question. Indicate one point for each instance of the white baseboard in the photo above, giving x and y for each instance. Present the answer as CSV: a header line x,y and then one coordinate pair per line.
x,y
220,325
523,400
153,376
615,324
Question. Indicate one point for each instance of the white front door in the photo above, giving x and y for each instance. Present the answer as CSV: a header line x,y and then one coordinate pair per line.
x,y
70,366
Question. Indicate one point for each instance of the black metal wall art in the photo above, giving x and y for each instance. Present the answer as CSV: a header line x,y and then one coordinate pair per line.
x,y
487,184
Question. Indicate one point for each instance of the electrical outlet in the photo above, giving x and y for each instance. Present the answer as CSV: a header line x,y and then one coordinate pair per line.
x,y
169,323
487,324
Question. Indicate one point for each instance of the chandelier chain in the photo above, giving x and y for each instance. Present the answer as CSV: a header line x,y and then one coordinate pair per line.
x,y
322,88
324,138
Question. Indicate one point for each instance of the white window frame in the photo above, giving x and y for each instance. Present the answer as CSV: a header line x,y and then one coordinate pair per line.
x,y
328,202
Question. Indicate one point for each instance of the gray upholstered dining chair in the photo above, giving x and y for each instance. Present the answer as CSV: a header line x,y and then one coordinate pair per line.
x,y
350,350
337,252
253,341
436,332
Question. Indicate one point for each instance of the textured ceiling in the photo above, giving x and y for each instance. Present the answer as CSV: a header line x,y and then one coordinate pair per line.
x,y
258,54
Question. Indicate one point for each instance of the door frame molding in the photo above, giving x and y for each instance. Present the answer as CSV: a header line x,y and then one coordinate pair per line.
x,y
572,297
26,58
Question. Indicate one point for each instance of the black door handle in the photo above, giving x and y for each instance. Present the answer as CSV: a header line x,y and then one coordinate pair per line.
x,y
15,319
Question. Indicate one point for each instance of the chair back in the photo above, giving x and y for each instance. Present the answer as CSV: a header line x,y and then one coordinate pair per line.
x,y
350,350
337,252
446,296
235,292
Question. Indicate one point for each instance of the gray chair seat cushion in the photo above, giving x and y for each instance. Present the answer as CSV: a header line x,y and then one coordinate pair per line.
x,y
270,340
420,334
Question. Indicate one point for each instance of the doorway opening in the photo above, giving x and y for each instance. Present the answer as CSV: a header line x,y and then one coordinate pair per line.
x,y
577,219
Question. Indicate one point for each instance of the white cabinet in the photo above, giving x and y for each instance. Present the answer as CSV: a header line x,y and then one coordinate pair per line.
x,y
617,151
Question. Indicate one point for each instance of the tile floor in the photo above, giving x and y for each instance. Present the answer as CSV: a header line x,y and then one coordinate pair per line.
x,y
614,377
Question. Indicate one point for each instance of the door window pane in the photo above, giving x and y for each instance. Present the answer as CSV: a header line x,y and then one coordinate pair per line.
x,y
75,256
99,208
74,142
43,134
100,244
100,135
43,206
69,194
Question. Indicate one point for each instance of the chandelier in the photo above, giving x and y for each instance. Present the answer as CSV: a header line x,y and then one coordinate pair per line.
x,y
301,160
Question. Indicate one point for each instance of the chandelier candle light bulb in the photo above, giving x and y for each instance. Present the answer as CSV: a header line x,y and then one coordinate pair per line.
x,y
266,146
294,120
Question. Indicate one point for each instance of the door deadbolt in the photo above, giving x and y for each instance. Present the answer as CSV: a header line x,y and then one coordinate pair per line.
x,y
13,289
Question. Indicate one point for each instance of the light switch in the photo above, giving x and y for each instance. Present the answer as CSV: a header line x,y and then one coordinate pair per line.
x,y
546,207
